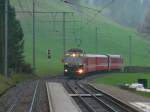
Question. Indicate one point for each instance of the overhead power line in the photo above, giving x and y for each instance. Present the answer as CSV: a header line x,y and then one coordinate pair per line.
x,y
82,6
20,4
22,8
97,10
37,2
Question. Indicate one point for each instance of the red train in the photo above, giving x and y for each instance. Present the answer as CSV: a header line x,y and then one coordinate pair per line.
x,y
78,63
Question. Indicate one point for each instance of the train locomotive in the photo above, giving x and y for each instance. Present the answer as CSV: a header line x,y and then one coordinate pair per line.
x,y
78,63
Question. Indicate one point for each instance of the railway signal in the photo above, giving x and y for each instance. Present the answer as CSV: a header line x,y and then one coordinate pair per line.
x,y
49,53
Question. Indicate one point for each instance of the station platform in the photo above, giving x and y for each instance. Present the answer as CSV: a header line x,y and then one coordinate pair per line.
x,y
59,99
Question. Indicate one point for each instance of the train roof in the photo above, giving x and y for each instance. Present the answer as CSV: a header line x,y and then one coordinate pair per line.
x,y
114,56
95,55
75,50
99,55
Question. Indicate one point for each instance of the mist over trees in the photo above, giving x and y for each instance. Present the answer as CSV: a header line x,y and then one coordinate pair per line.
x,y
145,27
15,40
125,12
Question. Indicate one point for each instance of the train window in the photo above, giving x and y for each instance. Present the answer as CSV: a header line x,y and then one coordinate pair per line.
x,y
103,60
115,60
72,60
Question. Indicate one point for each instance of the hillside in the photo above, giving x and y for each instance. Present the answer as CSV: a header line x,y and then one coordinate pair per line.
x,y
112,38
129,13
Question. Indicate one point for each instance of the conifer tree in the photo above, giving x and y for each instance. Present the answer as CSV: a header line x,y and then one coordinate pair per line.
x,y
15,40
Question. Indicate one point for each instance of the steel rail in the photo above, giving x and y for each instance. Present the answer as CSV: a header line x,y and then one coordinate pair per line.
x,y
19,92
110,99
91,109
34,96
99,100
115,100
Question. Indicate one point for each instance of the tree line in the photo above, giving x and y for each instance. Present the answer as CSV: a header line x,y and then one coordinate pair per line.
x,y
16,62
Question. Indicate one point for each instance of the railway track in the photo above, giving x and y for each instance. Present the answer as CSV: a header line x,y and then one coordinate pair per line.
x,y
22,100
90,99
29,98
32,97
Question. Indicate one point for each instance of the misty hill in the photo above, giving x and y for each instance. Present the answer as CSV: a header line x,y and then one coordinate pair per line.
x,y
126,12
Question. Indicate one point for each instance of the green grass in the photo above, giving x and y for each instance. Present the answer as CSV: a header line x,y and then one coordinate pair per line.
x,y
16,78
112,38
4,84
142,94
119,78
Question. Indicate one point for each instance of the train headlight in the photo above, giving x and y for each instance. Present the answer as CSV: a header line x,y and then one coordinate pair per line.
x,y
73,55
66,70
80,71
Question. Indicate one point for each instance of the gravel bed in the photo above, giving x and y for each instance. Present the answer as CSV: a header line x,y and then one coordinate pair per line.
x,y
121,94
9,97
22,95
81,106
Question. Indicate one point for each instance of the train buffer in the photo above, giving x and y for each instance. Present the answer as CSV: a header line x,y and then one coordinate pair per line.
x,y
59,99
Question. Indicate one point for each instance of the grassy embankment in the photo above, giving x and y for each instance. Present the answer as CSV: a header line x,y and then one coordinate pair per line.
x,y
10,82
112,38
119,78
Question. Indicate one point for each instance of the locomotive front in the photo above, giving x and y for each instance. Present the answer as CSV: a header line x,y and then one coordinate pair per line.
x,y
73,63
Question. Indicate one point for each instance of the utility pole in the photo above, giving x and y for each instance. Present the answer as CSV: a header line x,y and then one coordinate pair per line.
x,y
33,28
63,21
130,50
64,31
6,39
96,40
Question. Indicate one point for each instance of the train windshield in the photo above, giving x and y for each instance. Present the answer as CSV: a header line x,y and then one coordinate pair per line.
x,y
71,60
